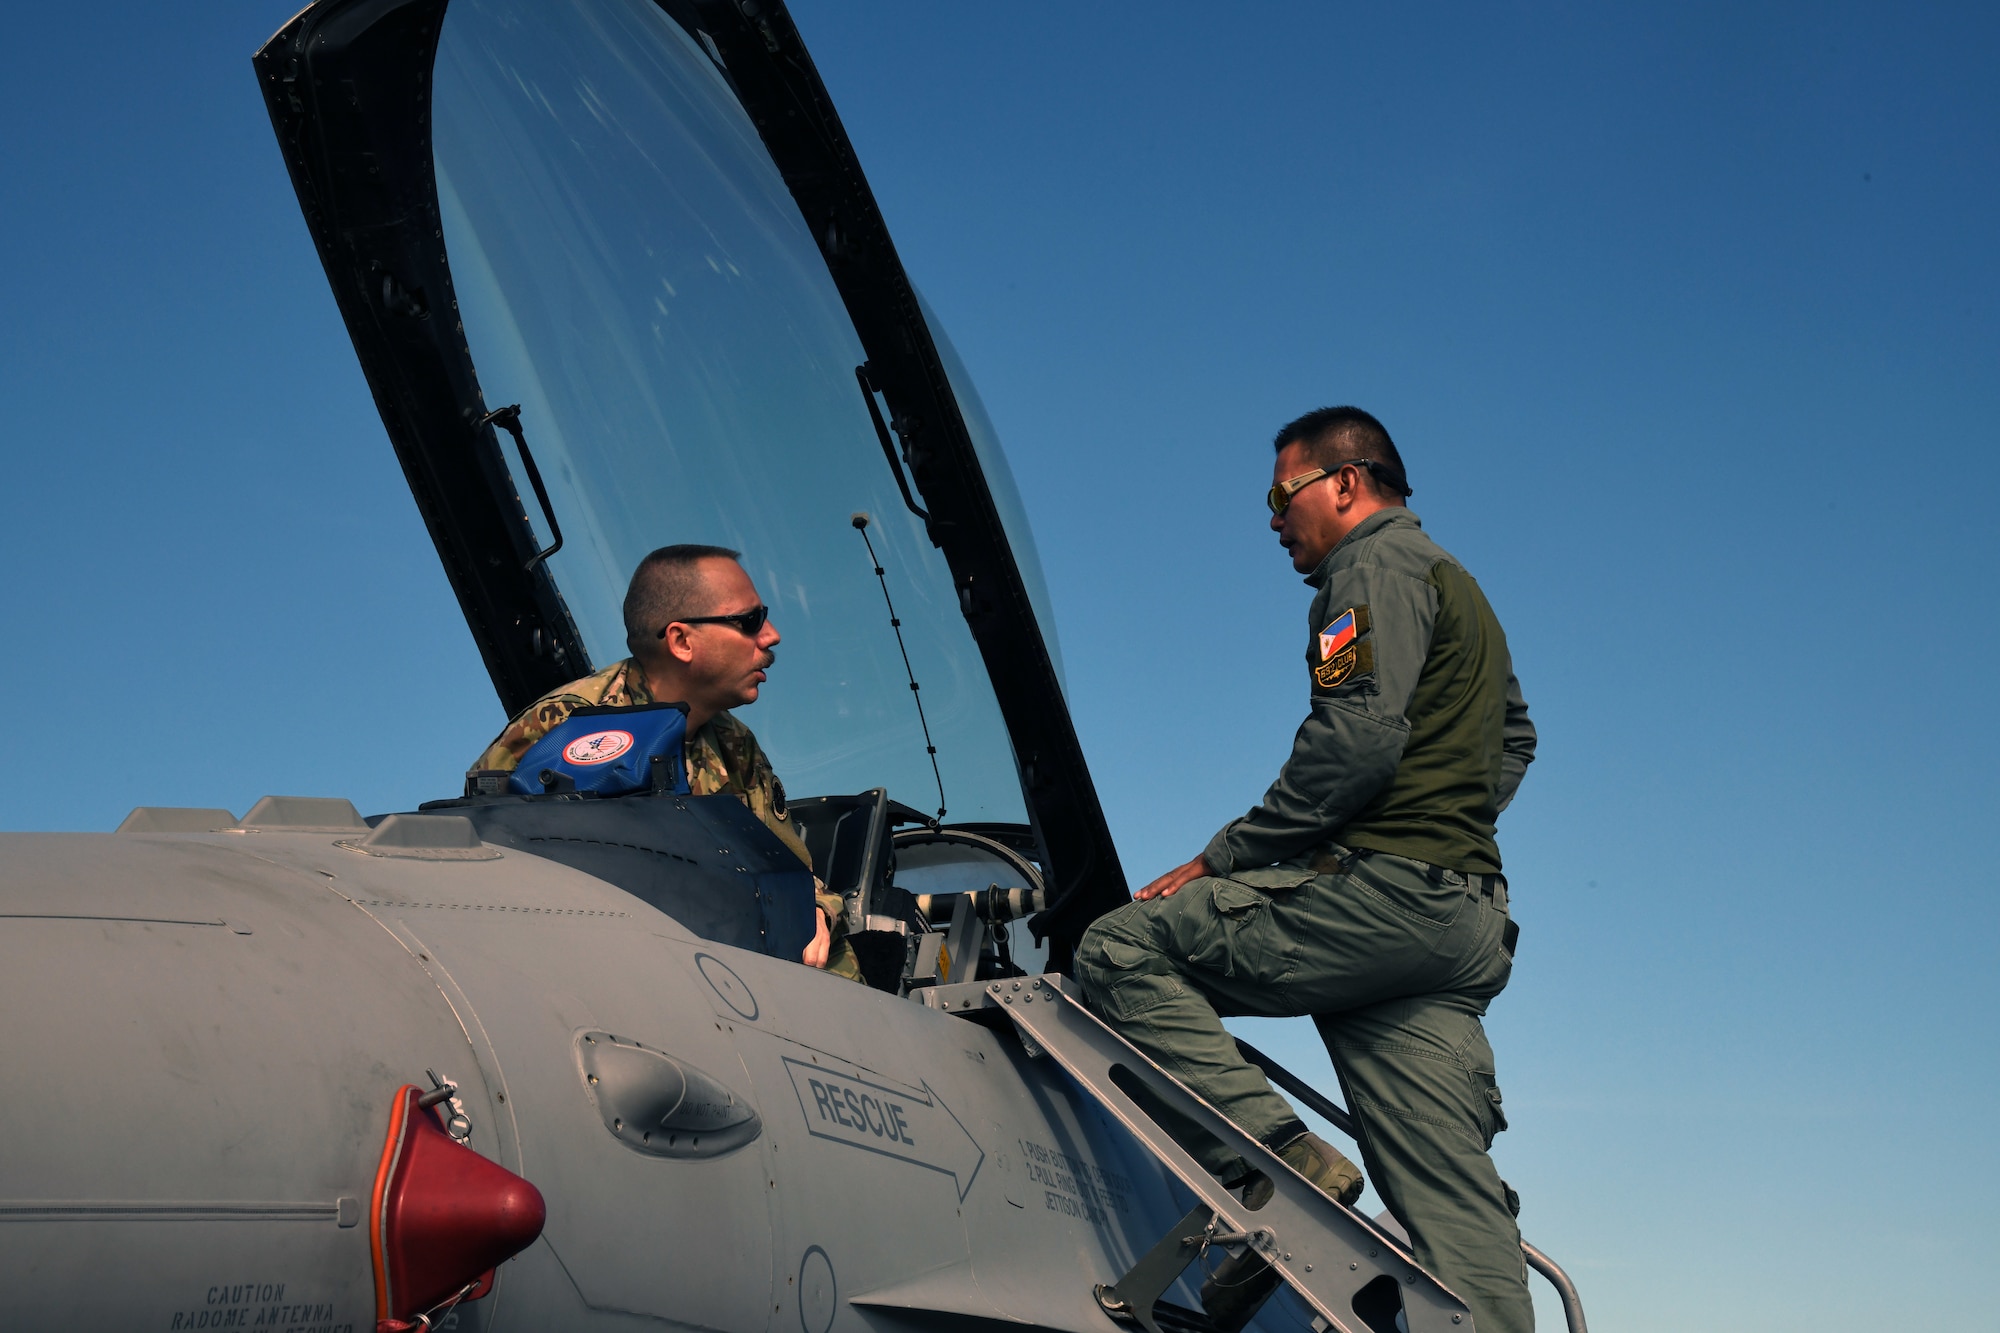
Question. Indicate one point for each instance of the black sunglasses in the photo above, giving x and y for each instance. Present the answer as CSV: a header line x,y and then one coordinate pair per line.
x,y
743,622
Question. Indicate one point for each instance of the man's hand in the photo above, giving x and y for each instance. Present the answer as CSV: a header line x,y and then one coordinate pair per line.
x,y
822,941
1171,883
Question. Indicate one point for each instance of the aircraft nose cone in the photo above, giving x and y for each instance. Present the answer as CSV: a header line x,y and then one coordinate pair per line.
x,y
443,1218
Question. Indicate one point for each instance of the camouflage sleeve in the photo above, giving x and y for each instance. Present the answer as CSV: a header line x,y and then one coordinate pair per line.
x,y
751,779
842,962
535,721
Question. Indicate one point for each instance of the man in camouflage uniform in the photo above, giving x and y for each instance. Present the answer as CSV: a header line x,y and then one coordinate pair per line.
x,y
1364,890
699,635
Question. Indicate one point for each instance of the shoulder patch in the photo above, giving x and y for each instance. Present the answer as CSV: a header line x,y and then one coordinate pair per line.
x,y
1357,659
1339,655
1341,631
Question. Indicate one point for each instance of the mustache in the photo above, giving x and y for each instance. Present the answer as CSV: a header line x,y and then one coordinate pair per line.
x,y
770,655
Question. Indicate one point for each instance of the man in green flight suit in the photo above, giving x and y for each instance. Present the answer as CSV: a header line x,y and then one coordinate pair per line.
x,y
699,635
1364,890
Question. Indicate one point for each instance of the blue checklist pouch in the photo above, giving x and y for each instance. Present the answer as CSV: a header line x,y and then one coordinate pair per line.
x,y
609,752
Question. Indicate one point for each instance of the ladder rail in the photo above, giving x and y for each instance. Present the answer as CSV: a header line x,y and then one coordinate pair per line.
x,y
1315,1101
1548,1268
1325,1251
1337,1116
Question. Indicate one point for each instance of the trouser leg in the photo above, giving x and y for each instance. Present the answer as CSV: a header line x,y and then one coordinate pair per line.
x,y
1418,1076
1401,961
1271,942
1149,969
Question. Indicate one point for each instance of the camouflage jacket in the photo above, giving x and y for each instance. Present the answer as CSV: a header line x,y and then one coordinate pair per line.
x,y
723,756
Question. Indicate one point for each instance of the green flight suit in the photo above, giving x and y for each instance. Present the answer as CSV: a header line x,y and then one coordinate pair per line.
x,y
1363,890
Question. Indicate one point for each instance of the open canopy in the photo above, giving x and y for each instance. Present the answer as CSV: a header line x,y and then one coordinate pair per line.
x,y
641,223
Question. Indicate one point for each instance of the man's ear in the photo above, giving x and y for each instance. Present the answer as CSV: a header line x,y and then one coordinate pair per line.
x,y
678,644
1345,493
1362,491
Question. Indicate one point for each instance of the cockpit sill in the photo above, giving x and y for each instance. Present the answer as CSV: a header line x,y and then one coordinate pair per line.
x,y
928,904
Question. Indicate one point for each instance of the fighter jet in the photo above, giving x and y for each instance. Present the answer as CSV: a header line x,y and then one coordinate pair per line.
x,y
542,1056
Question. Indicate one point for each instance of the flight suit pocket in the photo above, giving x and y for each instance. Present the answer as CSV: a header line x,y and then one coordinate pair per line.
x,y
1124,980
1237,901
1476,1055
1404,888
1125,957
1487,1087
1232,934
1274,879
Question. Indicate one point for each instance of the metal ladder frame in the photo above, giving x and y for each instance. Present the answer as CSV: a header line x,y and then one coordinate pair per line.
x,y
1334,1115
1326,1252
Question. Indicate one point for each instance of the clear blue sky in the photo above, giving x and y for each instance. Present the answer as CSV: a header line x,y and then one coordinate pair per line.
x,y
1687,318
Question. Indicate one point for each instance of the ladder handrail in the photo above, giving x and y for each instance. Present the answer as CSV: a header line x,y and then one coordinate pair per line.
x,y
1572,1302
1316,1101
1334,1114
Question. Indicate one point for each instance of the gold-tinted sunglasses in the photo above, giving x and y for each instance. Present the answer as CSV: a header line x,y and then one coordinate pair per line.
x,y
1280,498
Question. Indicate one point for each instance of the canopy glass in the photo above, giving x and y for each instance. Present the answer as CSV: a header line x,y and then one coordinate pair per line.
x,y
631,269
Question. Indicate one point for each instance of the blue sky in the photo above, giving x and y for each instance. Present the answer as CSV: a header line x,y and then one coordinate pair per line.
x,y
1684,316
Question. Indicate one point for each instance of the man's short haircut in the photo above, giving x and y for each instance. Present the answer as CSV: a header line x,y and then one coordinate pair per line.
x,y
1335,435
667,587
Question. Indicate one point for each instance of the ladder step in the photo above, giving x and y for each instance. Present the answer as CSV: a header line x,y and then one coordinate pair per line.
x,y
1136,1295
1327,1253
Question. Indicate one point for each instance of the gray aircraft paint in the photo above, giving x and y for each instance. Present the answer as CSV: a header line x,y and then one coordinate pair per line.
x,y
207,1029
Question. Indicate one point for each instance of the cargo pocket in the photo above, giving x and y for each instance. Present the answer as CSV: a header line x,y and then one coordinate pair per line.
x,y
1122,980
1238,910
1122,956
1273,879
1477,1057
1487,1087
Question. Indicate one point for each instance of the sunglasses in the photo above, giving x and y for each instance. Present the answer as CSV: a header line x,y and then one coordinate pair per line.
x,y
1280,498
743,622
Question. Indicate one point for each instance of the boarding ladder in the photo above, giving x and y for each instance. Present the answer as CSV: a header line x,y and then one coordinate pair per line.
x,y
1351,1270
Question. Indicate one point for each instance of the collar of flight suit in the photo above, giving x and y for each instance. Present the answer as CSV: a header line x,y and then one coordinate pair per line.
x,y
637,688
1362,531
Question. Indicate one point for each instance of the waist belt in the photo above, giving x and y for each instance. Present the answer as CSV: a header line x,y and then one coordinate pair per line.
x,y
1492,886
1489,885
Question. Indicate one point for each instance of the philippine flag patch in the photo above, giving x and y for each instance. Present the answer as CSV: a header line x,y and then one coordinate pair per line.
x,y
1336,635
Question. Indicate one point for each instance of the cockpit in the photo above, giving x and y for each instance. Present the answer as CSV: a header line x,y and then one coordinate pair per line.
x,y
926,904
618,283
